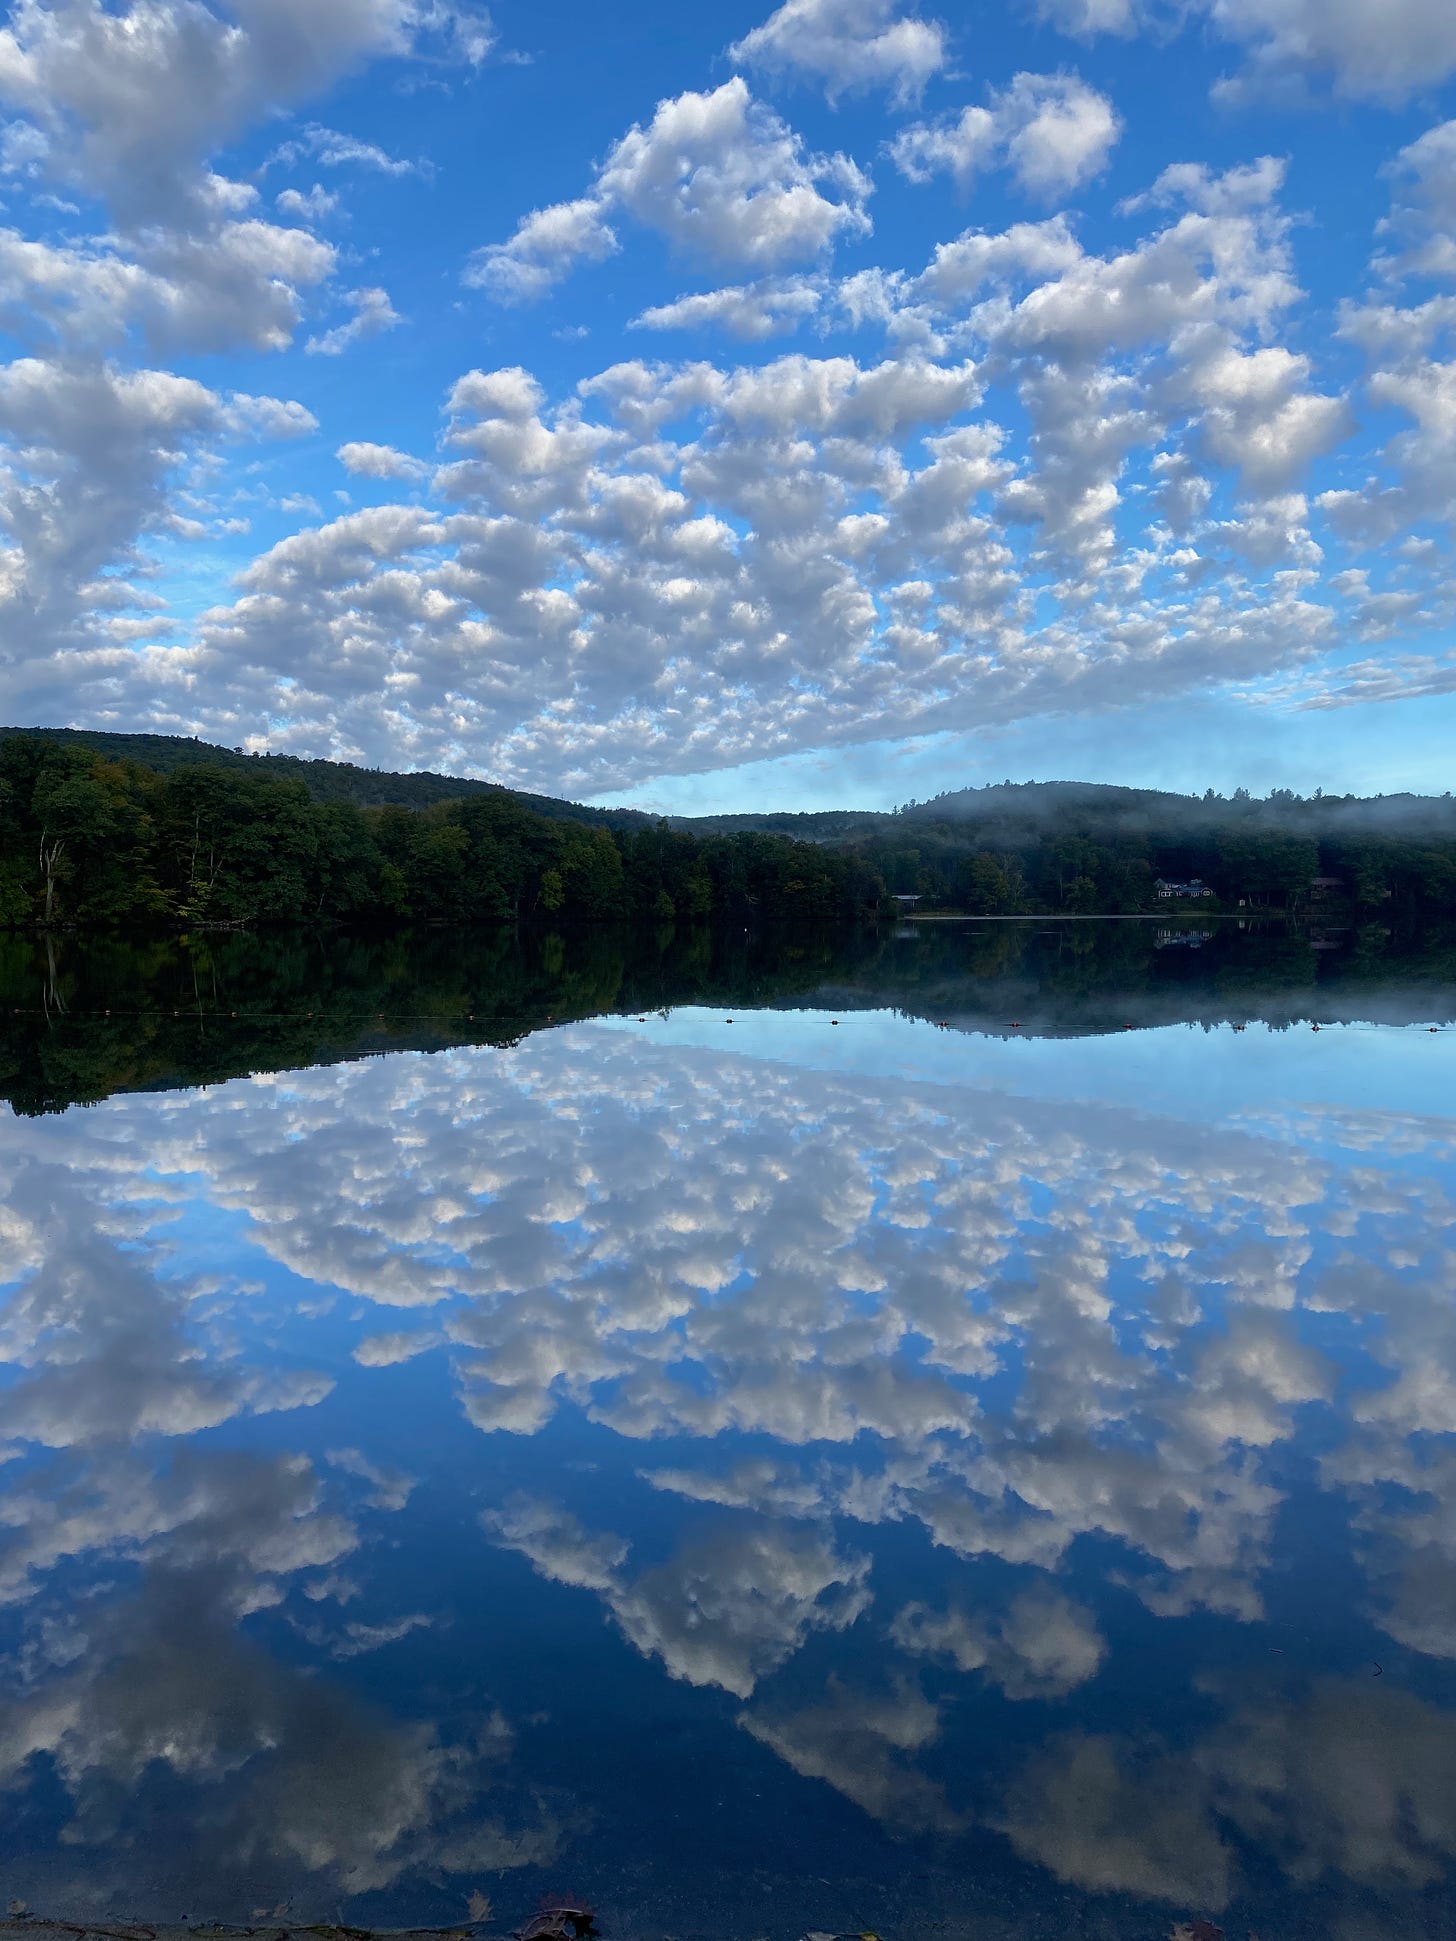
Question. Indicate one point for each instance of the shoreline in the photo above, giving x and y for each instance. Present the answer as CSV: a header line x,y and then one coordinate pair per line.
x,y
1119,916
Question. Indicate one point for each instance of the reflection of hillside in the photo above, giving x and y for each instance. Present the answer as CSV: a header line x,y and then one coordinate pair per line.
x,y
1054,979
82,1019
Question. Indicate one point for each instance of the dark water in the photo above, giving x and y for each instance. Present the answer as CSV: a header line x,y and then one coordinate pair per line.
x,y
980,1467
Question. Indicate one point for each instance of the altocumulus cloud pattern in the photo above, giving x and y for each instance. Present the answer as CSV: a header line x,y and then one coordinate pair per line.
x,y
587,401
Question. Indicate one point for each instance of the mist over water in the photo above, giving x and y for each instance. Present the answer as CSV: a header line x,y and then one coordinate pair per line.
x,y
940,1433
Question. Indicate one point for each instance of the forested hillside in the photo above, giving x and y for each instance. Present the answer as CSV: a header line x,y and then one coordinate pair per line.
x,y
325,781
157,830
1080,848
87,840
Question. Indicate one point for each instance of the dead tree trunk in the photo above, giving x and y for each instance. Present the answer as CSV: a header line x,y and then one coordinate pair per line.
x,y
51,852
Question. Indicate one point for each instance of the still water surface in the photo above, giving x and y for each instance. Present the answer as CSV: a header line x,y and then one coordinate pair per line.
x,y
919,1472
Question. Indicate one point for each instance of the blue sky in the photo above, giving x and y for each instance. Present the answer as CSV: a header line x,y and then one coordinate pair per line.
x,y
719,407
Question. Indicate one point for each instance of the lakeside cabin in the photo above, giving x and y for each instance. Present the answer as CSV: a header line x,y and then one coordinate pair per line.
x,y
1167,889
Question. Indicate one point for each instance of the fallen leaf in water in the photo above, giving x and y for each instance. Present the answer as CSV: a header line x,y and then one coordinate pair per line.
x,y
479,1905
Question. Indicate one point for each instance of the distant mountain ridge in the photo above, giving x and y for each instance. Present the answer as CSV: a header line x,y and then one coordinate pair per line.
x,y
331,781
1008,809
1108,807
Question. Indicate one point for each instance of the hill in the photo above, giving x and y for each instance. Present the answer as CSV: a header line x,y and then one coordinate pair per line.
x,y
115,830
1101,810
325,781
1011,813
147,827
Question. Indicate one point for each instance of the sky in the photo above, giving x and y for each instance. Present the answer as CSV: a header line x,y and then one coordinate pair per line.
x,y
714,407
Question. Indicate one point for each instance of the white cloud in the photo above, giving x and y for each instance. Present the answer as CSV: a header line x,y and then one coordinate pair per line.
x,y
960,148
787,464
129,104
1051,131
1086,18
1377,50
1059,132
546,246
848,45
718,176
92,451
1258,417
311,206
129,107
1027,251
724,178
363,460
241,285
1424,217
714,568
749,312
1384,50
331,149
373,313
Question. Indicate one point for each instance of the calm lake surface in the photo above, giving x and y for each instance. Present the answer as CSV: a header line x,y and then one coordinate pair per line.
x,y
949,1433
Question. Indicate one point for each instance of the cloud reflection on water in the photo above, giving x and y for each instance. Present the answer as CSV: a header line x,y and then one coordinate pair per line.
x,y
1079,1354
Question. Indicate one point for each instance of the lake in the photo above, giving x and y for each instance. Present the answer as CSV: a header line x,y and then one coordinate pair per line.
x,y
949,1432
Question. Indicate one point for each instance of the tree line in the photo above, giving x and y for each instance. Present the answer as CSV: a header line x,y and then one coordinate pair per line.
x,y
85,840
89,836
1075,849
